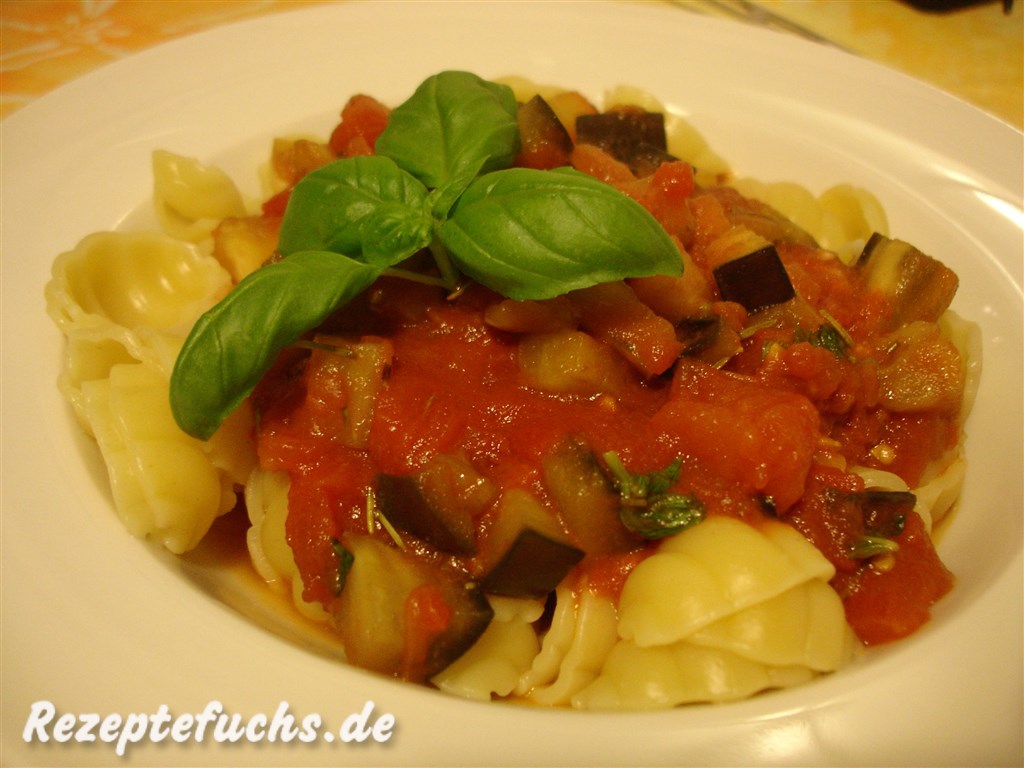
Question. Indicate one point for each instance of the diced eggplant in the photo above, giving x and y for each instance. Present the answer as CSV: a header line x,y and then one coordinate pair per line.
x,y
756,281
383,598
402,501
545,143
532,567
584,495
571,362
629,136
526,552
647,158
919,286
885,511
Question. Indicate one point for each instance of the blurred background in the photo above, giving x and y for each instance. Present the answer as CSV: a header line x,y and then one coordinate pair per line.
x,y
971,48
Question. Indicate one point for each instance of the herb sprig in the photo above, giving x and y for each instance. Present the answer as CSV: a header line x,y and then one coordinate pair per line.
x,y
442,179
646,506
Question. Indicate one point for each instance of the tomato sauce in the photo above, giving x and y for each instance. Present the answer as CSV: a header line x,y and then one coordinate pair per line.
x,y
758,436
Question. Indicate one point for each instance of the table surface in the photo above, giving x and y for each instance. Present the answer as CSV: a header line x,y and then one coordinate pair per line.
x,y
974,52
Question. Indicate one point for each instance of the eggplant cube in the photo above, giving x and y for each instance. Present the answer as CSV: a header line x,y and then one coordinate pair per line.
x,y
532,567
756,281
626,135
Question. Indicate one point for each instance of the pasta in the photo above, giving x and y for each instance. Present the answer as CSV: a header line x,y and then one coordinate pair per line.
x,y
649,491
125,302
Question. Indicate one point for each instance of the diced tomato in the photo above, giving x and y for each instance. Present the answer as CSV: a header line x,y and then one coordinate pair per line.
x,y
274,206
427,615
916,439
886,603
605,574
363,119
594,161
665,194
739,429
832,527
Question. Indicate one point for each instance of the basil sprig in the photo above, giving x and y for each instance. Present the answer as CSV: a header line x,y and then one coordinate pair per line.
x,y
646,506
441,179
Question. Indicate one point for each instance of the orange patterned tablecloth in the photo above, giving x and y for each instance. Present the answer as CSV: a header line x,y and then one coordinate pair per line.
x,y
975,52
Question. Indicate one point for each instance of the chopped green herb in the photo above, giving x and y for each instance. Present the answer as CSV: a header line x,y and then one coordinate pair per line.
x,y
647,508
345,560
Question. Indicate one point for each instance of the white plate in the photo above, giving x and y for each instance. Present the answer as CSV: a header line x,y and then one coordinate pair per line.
x,y
93,621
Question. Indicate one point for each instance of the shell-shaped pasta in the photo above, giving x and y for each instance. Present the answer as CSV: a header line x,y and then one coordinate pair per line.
x,y
841,219
191,198
636,678
134,280
936,497
804,626
594,634
499,657
266,499
708,572
163,482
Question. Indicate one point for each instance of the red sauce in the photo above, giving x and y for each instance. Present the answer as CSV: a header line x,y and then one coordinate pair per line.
x,y
754,437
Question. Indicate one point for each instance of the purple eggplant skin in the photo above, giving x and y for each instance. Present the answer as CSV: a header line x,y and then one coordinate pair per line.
x,y
633,137
402,501
531,567
756,281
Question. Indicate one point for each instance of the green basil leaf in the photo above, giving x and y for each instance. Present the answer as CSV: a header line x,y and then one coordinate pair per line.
x,y
532,234
455,123
393,232
238,340
330,208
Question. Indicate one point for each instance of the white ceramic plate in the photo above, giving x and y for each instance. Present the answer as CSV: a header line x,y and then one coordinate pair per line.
x,y
95,622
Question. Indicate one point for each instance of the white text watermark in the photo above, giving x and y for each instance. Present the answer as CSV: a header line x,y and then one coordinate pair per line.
x,y
214,723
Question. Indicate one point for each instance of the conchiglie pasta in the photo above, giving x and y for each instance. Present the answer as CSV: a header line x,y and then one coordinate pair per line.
x,y
495,663
191,198
804,626
722,611
164,485
841,219
124,302
636,678
709,572
587,631
266,499
135,280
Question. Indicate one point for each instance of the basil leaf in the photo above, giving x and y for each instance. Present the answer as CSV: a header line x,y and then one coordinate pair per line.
x,y
455,123
339,208
663,516
532,234
394,232
236,342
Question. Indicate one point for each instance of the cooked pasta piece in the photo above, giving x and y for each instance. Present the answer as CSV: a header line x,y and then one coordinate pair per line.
x,y
125,301
266,499
191,198
841,219
495,663
135,280
722,611
637,678
804,626
707,573
593,620
164,484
